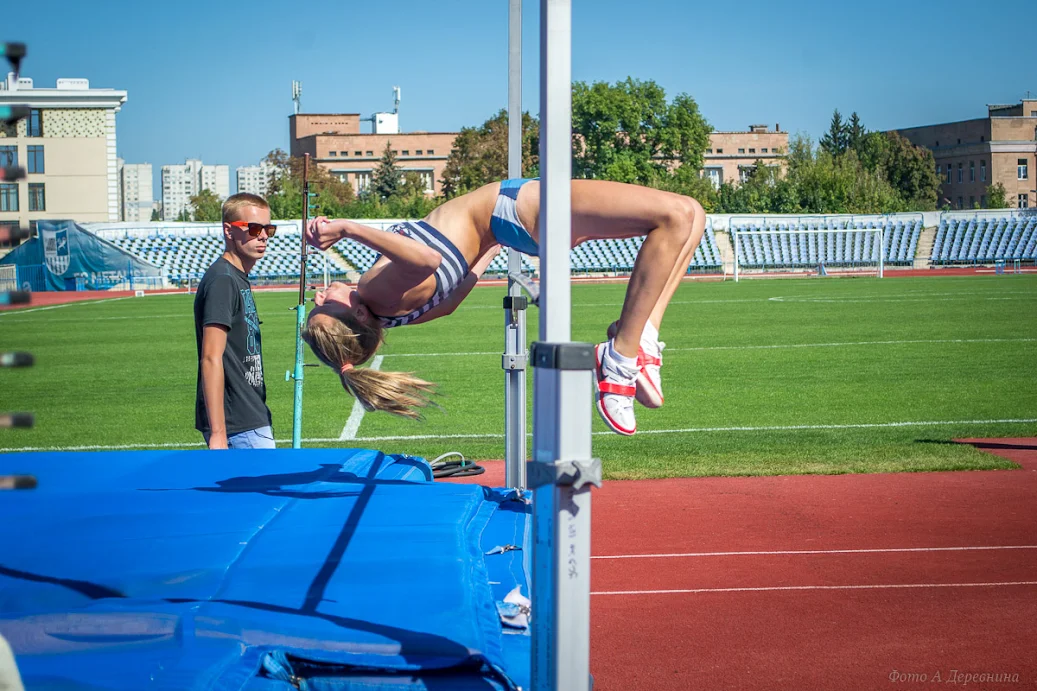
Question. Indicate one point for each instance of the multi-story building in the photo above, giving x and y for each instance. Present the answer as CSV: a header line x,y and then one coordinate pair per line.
x,y
181,182
256,179
68,148
335,143
972,155
731,156
135,191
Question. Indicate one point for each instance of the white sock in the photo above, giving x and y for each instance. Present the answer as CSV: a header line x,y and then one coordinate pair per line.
x,y
627,363
650,332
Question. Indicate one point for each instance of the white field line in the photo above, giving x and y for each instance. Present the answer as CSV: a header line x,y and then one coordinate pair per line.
x,y
797,552
847,344
11,313
357,414
500,435
692,591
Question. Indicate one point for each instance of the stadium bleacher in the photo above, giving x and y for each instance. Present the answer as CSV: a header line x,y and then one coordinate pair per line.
x,y
982,240
618,255
830,243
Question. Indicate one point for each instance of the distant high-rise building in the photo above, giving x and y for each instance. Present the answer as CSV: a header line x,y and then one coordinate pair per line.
x,y
181,182
256,179
135,191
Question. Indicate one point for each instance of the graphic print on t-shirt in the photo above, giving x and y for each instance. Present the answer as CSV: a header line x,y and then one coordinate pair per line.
x,y
254,359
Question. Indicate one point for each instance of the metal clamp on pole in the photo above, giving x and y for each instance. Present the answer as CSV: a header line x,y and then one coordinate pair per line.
x,y
12,174
12,114
573,474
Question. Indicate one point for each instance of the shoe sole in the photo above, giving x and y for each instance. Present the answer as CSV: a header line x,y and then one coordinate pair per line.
x,y
599,399
647,395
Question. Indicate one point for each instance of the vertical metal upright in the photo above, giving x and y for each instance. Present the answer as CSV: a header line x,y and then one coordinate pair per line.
x,y
562,469
514,360
300,309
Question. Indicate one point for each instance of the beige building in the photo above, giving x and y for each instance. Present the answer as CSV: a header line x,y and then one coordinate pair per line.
x,y
335,143
971,155
135,191
731,156
67,147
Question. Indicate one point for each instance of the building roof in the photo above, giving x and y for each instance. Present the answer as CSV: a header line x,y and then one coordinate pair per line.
x,y
67,93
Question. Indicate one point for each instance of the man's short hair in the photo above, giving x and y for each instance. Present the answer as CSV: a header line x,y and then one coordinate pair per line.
x,y
236,202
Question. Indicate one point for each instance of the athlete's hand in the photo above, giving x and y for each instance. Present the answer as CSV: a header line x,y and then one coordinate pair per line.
x,y
322,233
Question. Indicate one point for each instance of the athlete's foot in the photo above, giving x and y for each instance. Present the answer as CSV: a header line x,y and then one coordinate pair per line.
x,y
614,386
649,363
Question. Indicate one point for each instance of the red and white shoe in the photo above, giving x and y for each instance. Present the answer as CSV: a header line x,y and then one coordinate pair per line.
x,y
649,362
614,392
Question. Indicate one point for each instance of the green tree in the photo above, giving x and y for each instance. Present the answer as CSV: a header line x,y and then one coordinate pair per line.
x,y
629,133
834,142
911,171
480,154
854,132
184,216
155,215
997,197
206,207
285,195
387,176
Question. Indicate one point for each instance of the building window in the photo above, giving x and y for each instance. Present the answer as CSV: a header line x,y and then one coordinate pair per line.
x,y
34,127
369,153
720,151
1024,201
406,152
332,153
363,181
1021,169
982,139
358,153
982,171
939,171
8,197
709,151
8,156
37,197
741,151
972,202
763,150
948,173
395,152
417,152
960,173
752,151
35,155
431,152
716,176
982,201
961,203
745,172
937,142
427,179
972,171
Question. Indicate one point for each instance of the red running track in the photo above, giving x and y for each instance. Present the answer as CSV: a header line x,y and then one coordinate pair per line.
x,y
817,582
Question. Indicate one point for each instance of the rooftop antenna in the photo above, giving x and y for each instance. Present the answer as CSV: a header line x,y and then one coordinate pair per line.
x,y
296,95
396,99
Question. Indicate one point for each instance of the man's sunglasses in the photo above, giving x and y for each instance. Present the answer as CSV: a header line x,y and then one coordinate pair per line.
x,y
255,229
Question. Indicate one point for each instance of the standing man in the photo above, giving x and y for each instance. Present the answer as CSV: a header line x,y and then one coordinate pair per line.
x,y
230,405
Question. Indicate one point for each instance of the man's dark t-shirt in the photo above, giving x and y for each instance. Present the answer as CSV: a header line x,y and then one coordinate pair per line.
x,y
225,297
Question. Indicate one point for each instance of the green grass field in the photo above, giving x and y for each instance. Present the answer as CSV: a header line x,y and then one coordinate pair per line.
x,y
761,377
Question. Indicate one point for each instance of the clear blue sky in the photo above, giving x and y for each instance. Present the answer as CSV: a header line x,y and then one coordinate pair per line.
x,y
212,80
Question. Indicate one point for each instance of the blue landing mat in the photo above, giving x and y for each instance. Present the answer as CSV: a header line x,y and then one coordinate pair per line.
x,y
314,569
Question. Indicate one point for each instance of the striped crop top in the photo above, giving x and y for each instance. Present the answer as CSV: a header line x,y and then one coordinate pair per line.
x,y
452,270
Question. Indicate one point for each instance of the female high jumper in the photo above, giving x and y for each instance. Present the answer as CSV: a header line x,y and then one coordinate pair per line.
x,y
427,267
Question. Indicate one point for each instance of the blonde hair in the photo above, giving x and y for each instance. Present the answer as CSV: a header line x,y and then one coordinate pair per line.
x,y
340,342
237,202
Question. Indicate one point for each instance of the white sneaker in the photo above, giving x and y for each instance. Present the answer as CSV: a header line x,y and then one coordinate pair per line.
x,y
649,363
614,392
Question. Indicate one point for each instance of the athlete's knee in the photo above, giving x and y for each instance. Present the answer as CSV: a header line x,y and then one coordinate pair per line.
x,y
680,216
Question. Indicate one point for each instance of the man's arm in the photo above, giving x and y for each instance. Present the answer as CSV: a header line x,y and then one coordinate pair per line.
x,y
214,342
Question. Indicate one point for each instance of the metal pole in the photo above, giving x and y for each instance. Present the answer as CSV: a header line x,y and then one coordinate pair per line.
x,y
734,249
514,360
882,249
300,309
562,469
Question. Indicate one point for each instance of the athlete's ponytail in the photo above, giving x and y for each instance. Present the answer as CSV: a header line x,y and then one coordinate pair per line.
x,y
342,344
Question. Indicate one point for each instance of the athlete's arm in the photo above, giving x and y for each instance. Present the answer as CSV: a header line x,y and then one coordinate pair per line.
x,y
461,291
408,255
